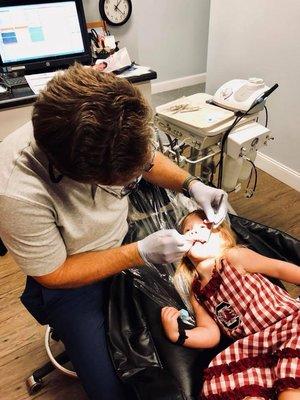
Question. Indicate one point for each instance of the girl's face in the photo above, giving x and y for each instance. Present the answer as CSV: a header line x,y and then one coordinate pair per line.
x,y
207,243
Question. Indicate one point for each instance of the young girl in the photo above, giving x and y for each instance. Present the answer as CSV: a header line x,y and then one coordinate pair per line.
x,y
229,292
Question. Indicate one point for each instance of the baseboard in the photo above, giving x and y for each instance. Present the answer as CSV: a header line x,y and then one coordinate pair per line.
x,y
172,84
278,171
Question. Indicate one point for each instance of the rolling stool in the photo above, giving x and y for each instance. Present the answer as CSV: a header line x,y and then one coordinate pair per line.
x,y
35,382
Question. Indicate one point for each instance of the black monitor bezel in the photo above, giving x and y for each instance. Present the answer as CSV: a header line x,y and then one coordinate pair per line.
x,y
54,62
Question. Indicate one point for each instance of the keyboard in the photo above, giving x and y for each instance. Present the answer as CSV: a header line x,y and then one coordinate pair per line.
x,y
14,81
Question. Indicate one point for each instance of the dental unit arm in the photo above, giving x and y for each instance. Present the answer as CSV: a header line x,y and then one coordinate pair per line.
x,y
222,126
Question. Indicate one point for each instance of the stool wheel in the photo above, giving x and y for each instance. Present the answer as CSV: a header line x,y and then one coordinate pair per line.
x,y
33,385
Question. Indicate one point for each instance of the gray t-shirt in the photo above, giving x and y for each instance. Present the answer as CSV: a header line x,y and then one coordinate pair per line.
x,y
41,222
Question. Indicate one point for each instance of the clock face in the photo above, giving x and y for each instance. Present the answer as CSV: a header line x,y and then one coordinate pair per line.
x,y
116,12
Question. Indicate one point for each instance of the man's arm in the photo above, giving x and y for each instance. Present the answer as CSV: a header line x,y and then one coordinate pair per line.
x,y
163,246
86,268
30,233
165,173
168,175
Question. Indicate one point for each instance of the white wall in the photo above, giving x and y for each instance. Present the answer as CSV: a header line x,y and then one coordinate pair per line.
x,y
170,36
262,38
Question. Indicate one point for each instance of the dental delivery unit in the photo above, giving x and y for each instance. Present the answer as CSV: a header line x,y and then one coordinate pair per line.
x,y
219,132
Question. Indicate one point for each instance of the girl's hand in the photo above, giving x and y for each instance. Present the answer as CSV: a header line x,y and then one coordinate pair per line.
x,y
169,317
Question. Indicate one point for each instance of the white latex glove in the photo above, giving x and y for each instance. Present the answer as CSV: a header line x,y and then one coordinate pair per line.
x,y
164,246
208,199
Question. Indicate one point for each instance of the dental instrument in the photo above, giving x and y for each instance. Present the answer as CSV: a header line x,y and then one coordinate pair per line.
x,y
216,212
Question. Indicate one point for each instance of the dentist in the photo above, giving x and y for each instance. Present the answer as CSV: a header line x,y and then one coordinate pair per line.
x,y
64,179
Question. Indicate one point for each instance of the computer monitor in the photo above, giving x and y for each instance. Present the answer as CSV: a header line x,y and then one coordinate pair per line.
x,y
42,35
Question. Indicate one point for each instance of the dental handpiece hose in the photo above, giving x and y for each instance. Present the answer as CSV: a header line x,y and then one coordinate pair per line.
x,y
239,117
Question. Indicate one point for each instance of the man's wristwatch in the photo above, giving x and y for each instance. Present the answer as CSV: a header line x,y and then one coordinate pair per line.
x,y
186,184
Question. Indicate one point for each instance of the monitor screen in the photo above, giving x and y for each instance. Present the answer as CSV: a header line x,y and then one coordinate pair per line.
x,y
44,30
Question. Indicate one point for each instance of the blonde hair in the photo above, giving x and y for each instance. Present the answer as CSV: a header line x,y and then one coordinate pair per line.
x,y
186,271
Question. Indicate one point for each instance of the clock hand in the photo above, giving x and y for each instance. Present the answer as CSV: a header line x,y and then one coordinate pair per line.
x,y
117,9
117,5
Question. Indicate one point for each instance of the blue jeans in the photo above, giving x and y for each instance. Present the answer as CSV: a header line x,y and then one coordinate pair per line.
x,y
78,318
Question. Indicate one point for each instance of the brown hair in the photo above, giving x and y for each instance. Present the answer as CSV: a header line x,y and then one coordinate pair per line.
x,y
186,271
93,126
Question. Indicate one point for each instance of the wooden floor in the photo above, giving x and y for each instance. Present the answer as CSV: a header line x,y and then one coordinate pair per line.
x,y
273,204
21,338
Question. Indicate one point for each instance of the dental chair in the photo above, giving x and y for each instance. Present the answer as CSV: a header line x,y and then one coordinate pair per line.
x,y
150,366
144,358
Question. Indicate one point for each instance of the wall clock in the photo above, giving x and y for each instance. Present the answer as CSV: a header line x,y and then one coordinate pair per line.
x,y
115,12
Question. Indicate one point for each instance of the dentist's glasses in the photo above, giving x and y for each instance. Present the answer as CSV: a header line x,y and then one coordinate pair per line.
x,y
121,191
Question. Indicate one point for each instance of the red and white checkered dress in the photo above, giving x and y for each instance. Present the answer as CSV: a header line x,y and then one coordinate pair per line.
x,y
264,321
